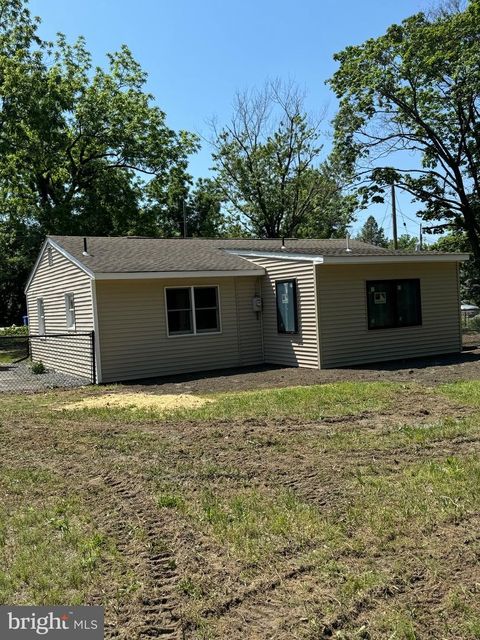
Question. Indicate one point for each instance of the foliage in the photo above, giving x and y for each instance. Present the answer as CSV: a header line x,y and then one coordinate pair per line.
x,y
14,331
416,89
269,171
372,233
405,242
38,367
474,323
193,212
469,274
204,209
78,146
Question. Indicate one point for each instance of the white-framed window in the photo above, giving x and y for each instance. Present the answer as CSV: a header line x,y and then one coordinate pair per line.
x,y
40,316
70,310
192,310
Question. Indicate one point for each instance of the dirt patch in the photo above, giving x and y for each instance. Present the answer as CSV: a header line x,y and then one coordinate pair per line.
x,y
429,371
164,402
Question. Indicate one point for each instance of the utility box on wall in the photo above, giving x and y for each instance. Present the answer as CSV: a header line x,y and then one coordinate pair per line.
x,y
257,303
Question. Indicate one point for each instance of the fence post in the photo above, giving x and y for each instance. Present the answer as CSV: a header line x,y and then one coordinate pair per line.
x,y
94,364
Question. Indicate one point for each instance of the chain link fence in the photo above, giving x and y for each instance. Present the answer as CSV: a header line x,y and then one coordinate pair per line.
x,y
39,362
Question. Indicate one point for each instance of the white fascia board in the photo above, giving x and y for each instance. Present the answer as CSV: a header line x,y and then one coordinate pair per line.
x,y
445,257
278,255
69,256
354,259
148,275
35,266
51,243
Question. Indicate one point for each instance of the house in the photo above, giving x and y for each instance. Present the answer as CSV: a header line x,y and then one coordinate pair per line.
x,y
166,306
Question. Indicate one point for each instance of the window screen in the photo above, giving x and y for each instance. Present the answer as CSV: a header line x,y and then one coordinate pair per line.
x,y
70,310
287,314
393,303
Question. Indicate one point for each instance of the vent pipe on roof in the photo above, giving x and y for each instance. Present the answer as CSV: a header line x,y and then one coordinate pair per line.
x,y
283,243
348,250
85,247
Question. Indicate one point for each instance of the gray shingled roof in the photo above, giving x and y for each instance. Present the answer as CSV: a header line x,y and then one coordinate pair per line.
x,y
133,254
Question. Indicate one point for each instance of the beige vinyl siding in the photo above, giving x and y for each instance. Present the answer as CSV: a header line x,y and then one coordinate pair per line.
x,y
133,329
249,322
342,304
298,350
67,355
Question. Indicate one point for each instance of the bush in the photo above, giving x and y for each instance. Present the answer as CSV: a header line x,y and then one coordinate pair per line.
x,y
474,323
38,367
14,330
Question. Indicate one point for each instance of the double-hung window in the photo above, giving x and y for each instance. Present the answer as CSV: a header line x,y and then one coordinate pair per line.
x,y
287,312
192,310
394,303
70,310
40,316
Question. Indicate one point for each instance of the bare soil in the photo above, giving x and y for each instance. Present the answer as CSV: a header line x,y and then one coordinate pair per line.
x,y
428,371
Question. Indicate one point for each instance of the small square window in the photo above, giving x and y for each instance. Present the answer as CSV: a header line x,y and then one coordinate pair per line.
x,y
192,310
394,303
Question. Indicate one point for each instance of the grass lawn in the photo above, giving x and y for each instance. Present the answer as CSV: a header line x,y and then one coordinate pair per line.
x,y
11,355
347,510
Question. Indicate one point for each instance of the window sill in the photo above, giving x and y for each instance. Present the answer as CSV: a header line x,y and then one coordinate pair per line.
x,y
394,327
194,335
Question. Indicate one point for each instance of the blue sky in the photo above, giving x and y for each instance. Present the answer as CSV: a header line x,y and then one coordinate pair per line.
x,y
198,53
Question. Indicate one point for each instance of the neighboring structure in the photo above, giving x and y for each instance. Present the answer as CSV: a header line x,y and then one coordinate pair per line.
x,y
161,307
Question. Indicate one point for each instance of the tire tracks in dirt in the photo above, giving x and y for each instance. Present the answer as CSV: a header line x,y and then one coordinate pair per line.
x,y
159,604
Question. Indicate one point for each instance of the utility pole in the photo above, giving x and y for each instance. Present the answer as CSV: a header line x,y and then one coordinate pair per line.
x,y
421,238
394,218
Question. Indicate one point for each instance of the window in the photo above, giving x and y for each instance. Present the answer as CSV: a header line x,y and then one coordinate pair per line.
x,y
40,316
192,310
70,310
393,303
206,309
179,311
287,313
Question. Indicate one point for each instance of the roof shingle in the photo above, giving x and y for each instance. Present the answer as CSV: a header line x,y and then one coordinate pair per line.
x,y
132,254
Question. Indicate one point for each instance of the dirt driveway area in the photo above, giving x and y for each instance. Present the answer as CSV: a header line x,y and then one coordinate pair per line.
x,y
429,371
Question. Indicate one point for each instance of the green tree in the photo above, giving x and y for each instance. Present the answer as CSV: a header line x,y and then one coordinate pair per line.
x,y
79,147
372,233
458,242
417,89
268,166
205,217
405,242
